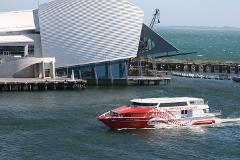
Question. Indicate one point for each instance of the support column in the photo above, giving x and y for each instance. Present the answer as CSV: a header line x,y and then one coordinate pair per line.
x,y
220,69
52,70
189,68
236,70
95,74
196,68
36,70
43,70
229,69
126,68
80,73
25,50
205,68
181,67
212,68
110,76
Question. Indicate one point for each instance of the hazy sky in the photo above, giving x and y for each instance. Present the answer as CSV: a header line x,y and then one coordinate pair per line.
x,y
215,13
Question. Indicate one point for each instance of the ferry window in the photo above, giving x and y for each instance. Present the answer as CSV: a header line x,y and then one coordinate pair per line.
x,y
173,104
191,102
199,102
205,110
184,112
144,104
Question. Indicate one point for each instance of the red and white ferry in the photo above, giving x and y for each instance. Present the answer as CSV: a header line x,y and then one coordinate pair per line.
x,y
159,113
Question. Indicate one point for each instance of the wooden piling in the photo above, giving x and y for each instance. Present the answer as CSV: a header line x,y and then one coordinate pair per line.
x,y
25,84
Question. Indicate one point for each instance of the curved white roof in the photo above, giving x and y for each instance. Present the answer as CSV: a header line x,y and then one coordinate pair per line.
x,y
15,39
165,100
16,21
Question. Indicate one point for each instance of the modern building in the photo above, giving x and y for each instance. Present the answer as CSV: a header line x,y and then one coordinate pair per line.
x,y
20,47
92,38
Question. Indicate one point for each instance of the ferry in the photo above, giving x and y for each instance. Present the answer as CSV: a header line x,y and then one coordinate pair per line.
x,y
152,113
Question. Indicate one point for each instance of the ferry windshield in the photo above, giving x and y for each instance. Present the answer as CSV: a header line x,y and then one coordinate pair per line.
x,y
136,104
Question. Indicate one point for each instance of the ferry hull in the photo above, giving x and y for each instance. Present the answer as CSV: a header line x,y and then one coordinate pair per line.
x,y
147,123
126,123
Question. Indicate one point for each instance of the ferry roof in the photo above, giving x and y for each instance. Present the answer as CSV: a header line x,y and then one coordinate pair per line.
x,y
165,100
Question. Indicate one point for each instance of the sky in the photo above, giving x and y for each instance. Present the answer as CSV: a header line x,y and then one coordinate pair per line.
x,y
213,13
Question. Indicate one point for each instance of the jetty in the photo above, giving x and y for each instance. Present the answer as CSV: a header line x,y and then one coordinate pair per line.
x,y
35,84
202,75
143,80
198,66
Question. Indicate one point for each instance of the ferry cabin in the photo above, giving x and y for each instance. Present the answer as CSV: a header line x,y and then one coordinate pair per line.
x,y
182,107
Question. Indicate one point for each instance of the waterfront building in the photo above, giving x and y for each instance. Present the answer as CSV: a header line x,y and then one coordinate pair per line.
x,y
20,47
93,38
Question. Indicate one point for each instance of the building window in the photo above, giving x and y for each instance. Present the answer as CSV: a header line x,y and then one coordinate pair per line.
x,y
87,72
12,51
101,71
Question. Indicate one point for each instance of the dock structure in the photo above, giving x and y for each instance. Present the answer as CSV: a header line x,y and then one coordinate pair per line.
x,y
33,84
228,67
202,75
143,80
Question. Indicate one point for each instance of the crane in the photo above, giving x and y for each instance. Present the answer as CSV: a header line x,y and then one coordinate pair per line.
x,y
155,19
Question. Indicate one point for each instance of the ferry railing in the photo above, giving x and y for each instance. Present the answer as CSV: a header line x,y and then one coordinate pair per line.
x,y
216,112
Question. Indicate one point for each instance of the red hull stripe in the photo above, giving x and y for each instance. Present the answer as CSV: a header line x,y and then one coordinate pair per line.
x,y
204,122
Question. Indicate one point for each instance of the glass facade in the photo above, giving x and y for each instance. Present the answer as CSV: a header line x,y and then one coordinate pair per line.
x,y
105,70
12,50
16,50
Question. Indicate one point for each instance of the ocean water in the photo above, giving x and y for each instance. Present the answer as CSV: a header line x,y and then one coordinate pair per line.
x,y
217,44
63,125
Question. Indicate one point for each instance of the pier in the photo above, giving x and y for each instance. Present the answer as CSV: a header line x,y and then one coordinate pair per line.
x,y
202,75
143,80
228,67
34,84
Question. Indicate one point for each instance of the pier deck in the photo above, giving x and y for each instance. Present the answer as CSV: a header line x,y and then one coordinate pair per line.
x,y
34,84
144,80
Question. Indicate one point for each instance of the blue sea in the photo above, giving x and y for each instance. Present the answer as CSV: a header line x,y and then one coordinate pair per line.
x,y
217,44
62,125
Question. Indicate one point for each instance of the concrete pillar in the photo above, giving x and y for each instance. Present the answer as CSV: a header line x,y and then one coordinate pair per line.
x,y
236,70
205,68
189,68
120,70
52,70
42,70
197,68
80,73
36,70
212,68
110,76
220,69
95,74
228,69
140,66
126,68
26,50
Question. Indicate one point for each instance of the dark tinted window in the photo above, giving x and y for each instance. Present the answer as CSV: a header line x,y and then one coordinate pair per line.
x,y
184,112
144,104
173,104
